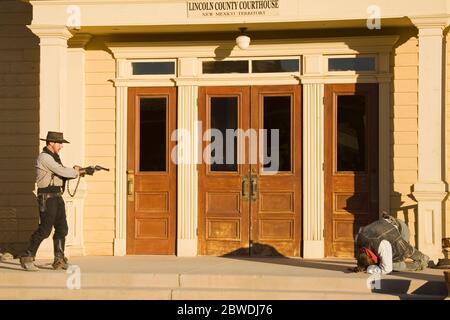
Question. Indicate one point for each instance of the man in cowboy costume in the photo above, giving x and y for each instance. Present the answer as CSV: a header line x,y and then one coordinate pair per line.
x,y
50,179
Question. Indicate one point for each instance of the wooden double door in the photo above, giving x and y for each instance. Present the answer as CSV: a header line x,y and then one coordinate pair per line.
x,y
250,176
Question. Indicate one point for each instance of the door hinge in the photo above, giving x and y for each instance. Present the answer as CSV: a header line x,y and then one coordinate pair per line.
x,y
196,231
323,233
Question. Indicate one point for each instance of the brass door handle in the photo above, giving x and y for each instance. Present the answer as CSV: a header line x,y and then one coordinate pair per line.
x,y
254,182
245,187
130,185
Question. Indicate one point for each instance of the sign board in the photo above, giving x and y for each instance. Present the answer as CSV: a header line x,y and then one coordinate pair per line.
x,y
227,8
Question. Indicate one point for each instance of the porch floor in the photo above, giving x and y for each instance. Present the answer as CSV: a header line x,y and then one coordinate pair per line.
x,y
171,277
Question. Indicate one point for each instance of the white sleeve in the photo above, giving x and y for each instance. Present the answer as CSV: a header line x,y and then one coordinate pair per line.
x,y
57,168
385,254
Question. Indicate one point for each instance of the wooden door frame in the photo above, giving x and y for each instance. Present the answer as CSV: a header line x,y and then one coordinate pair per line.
x,y
134,94
329,147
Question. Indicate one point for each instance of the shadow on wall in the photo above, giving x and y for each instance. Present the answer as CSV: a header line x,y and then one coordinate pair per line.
x,y
19,125
405,213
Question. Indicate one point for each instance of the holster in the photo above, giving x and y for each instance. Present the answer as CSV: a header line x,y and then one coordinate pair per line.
x,y
43,197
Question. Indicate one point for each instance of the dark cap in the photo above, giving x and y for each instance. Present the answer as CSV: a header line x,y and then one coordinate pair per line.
x,y
55,137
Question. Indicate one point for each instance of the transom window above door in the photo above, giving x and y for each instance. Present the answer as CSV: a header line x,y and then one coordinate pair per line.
x,y
259,65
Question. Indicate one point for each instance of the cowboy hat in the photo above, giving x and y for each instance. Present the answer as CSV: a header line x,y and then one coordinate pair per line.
x,y
55,137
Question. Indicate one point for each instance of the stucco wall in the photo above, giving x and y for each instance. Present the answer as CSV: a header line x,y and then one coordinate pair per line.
x,y
19,125
404,129
100,149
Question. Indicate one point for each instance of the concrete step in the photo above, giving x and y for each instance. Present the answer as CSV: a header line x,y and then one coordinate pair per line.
x,y
59,279
358,283
57,293
229,294
156,277
198,283
49,293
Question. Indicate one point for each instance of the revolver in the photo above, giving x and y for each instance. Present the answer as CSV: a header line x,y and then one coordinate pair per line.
x,y
91,169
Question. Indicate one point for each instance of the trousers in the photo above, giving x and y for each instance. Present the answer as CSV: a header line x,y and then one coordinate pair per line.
x,y
52,213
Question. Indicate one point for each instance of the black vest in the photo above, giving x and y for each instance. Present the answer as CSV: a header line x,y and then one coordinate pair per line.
x,y
372,235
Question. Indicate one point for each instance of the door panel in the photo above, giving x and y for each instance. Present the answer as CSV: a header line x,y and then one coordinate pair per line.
x,y
276,206
247,208
151,216
351,164
223,211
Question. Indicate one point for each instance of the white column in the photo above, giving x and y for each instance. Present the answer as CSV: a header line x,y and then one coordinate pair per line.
x,y
430,189
187,179
120,248
313,176
53,76
73,126
52,91
187,191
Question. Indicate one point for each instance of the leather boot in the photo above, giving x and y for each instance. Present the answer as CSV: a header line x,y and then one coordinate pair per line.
x,y
27,263
60,261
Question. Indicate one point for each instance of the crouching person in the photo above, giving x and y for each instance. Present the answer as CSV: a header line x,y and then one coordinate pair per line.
x,y
383,246
50,179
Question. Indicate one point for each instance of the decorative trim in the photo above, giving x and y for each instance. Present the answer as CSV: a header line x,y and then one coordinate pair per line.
x,y
434,21
187,178
121,168
313,175
206,49
80,40
49,31
235,80
384,147
429,196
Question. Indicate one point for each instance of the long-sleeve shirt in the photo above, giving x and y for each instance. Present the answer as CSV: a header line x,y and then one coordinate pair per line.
x,y
46,166
384,253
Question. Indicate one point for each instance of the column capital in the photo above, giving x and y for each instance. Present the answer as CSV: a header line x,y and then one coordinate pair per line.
x,y
80,40
51,32
431,25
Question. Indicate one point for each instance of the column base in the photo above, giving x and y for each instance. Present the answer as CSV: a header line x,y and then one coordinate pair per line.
x,y
186,247
313,249
120,247
430,197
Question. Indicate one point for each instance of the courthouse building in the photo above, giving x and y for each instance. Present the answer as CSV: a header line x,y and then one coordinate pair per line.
x,y
357,88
